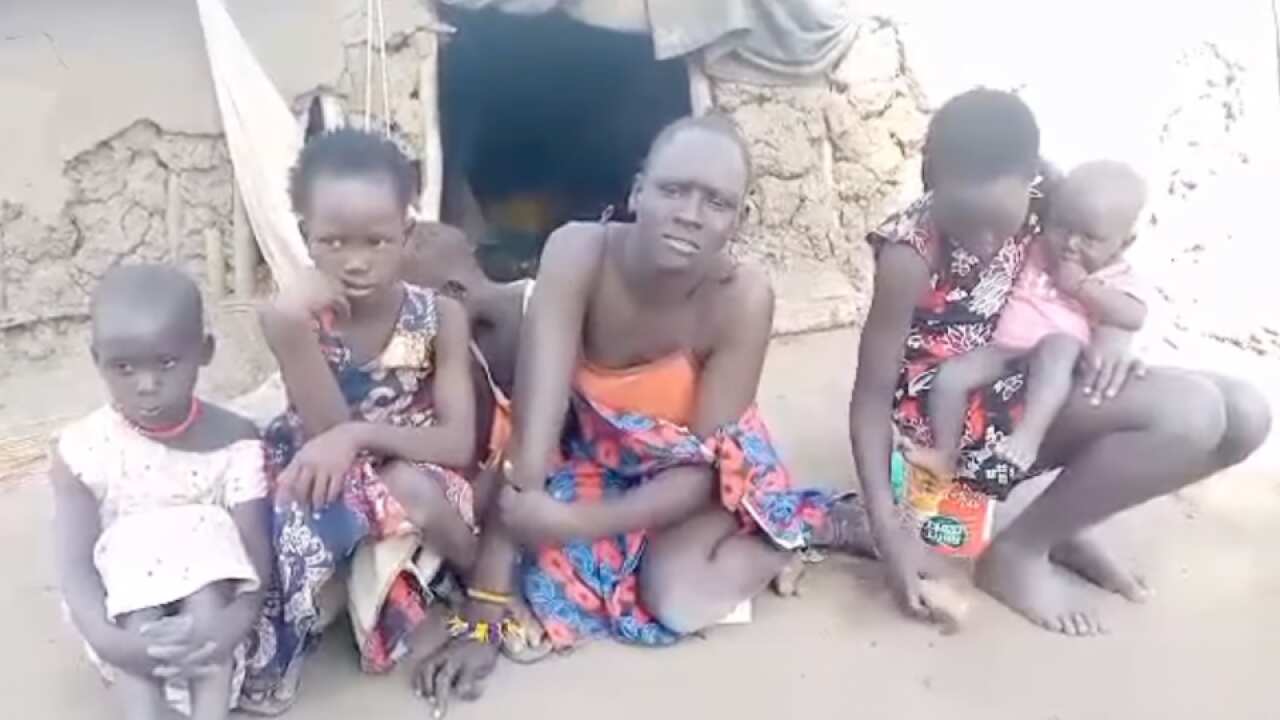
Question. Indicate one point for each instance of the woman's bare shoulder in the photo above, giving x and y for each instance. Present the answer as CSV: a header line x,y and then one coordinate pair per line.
x,y
574,244
571,261
744,299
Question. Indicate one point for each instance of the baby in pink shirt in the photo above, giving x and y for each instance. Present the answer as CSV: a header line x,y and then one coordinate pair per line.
x,y
1075,279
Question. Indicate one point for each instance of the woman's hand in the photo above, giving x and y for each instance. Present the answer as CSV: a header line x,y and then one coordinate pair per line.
x,y
909,564
1108,363
459,670
534,518
317,475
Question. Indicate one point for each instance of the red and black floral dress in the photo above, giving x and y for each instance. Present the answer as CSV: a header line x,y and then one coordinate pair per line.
x,y
958,313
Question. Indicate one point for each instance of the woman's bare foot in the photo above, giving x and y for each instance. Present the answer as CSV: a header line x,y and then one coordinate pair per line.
x,y
1020,449
787,583
1025,582
1085,556
525,641
941,464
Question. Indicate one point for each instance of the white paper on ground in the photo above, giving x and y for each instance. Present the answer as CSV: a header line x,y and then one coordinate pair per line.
x,y
740,615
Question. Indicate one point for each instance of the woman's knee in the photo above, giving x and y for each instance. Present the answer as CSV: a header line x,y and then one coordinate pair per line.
x,y
676,607
687,602
1248,419
668,588
1184,410
680,584
1191,413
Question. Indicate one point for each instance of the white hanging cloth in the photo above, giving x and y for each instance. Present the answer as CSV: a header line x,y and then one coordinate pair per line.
x,y
263,137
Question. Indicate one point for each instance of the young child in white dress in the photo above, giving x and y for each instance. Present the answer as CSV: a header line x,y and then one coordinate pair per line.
x,y
161,522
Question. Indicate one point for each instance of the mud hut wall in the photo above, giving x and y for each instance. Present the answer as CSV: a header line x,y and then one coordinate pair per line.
x,y
142,172
830,160
121,155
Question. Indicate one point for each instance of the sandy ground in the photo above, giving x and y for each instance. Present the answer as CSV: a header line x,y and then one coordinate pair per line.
x,y
1204,646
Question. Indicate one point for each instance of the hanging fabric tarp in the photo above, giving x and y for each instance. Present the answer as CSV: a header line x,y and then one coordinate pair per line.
x,y
772,42
263,137
761,41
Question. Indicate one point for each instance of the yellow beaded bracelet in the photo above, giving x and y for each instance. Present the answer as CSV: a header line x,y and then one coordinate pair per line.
x,y
492,598
481,632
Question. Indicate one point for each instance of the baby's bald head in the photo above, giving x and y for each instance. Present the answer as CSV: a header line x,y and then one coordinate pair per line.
x,y
1094,211
1109,195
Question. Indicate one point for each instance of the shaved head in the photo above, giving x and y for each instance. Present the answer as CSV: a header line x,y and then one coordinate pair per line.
x,y
441,254
713,123
158,297
149,342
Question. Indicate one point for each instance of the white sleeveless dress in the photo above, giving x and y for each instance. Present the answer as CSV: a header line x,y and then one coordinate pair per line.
x,y
167,529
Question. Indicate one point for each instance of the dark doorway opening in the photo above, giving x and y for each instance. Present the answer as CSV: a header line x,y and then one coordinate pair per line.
x,y
544,120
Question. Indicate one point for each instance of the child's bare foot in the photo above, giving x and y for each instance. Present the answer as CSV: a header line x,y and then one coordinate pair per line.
x,y
1085,556
941,464
1025,582
1020,449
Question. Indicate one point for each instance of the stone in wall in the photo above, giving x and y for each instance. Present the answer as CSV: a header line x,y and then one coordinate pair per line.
x,y
830,160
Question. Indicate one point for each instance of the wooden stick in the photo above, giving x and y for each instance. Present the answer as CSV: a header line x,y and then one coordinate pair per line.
x,y
432,149
4,275
700,98
244,251
1275,28
173,217
215,264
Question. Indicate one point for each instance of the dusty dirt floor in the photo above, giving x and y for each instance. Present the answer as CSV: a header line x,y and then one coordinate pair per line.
x,y
1204,646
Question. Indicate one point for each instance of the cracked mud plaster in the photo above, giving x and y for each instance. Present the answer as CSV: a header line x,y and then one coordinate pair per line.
x,y
119,208
830,160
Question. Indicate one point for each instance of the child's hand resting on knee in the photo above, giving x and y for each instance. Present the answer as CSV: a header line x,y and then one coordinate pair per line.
x,y
317,474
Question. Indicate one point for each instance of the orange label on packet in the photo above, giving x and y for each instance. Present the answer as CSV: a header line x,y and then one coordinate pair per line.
x,y
953,519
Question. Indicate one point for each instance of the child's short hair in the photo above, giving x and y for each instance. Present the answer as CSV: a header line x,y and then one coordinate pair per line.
x,y
152,288
443,243
440,254
983,134
352,151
